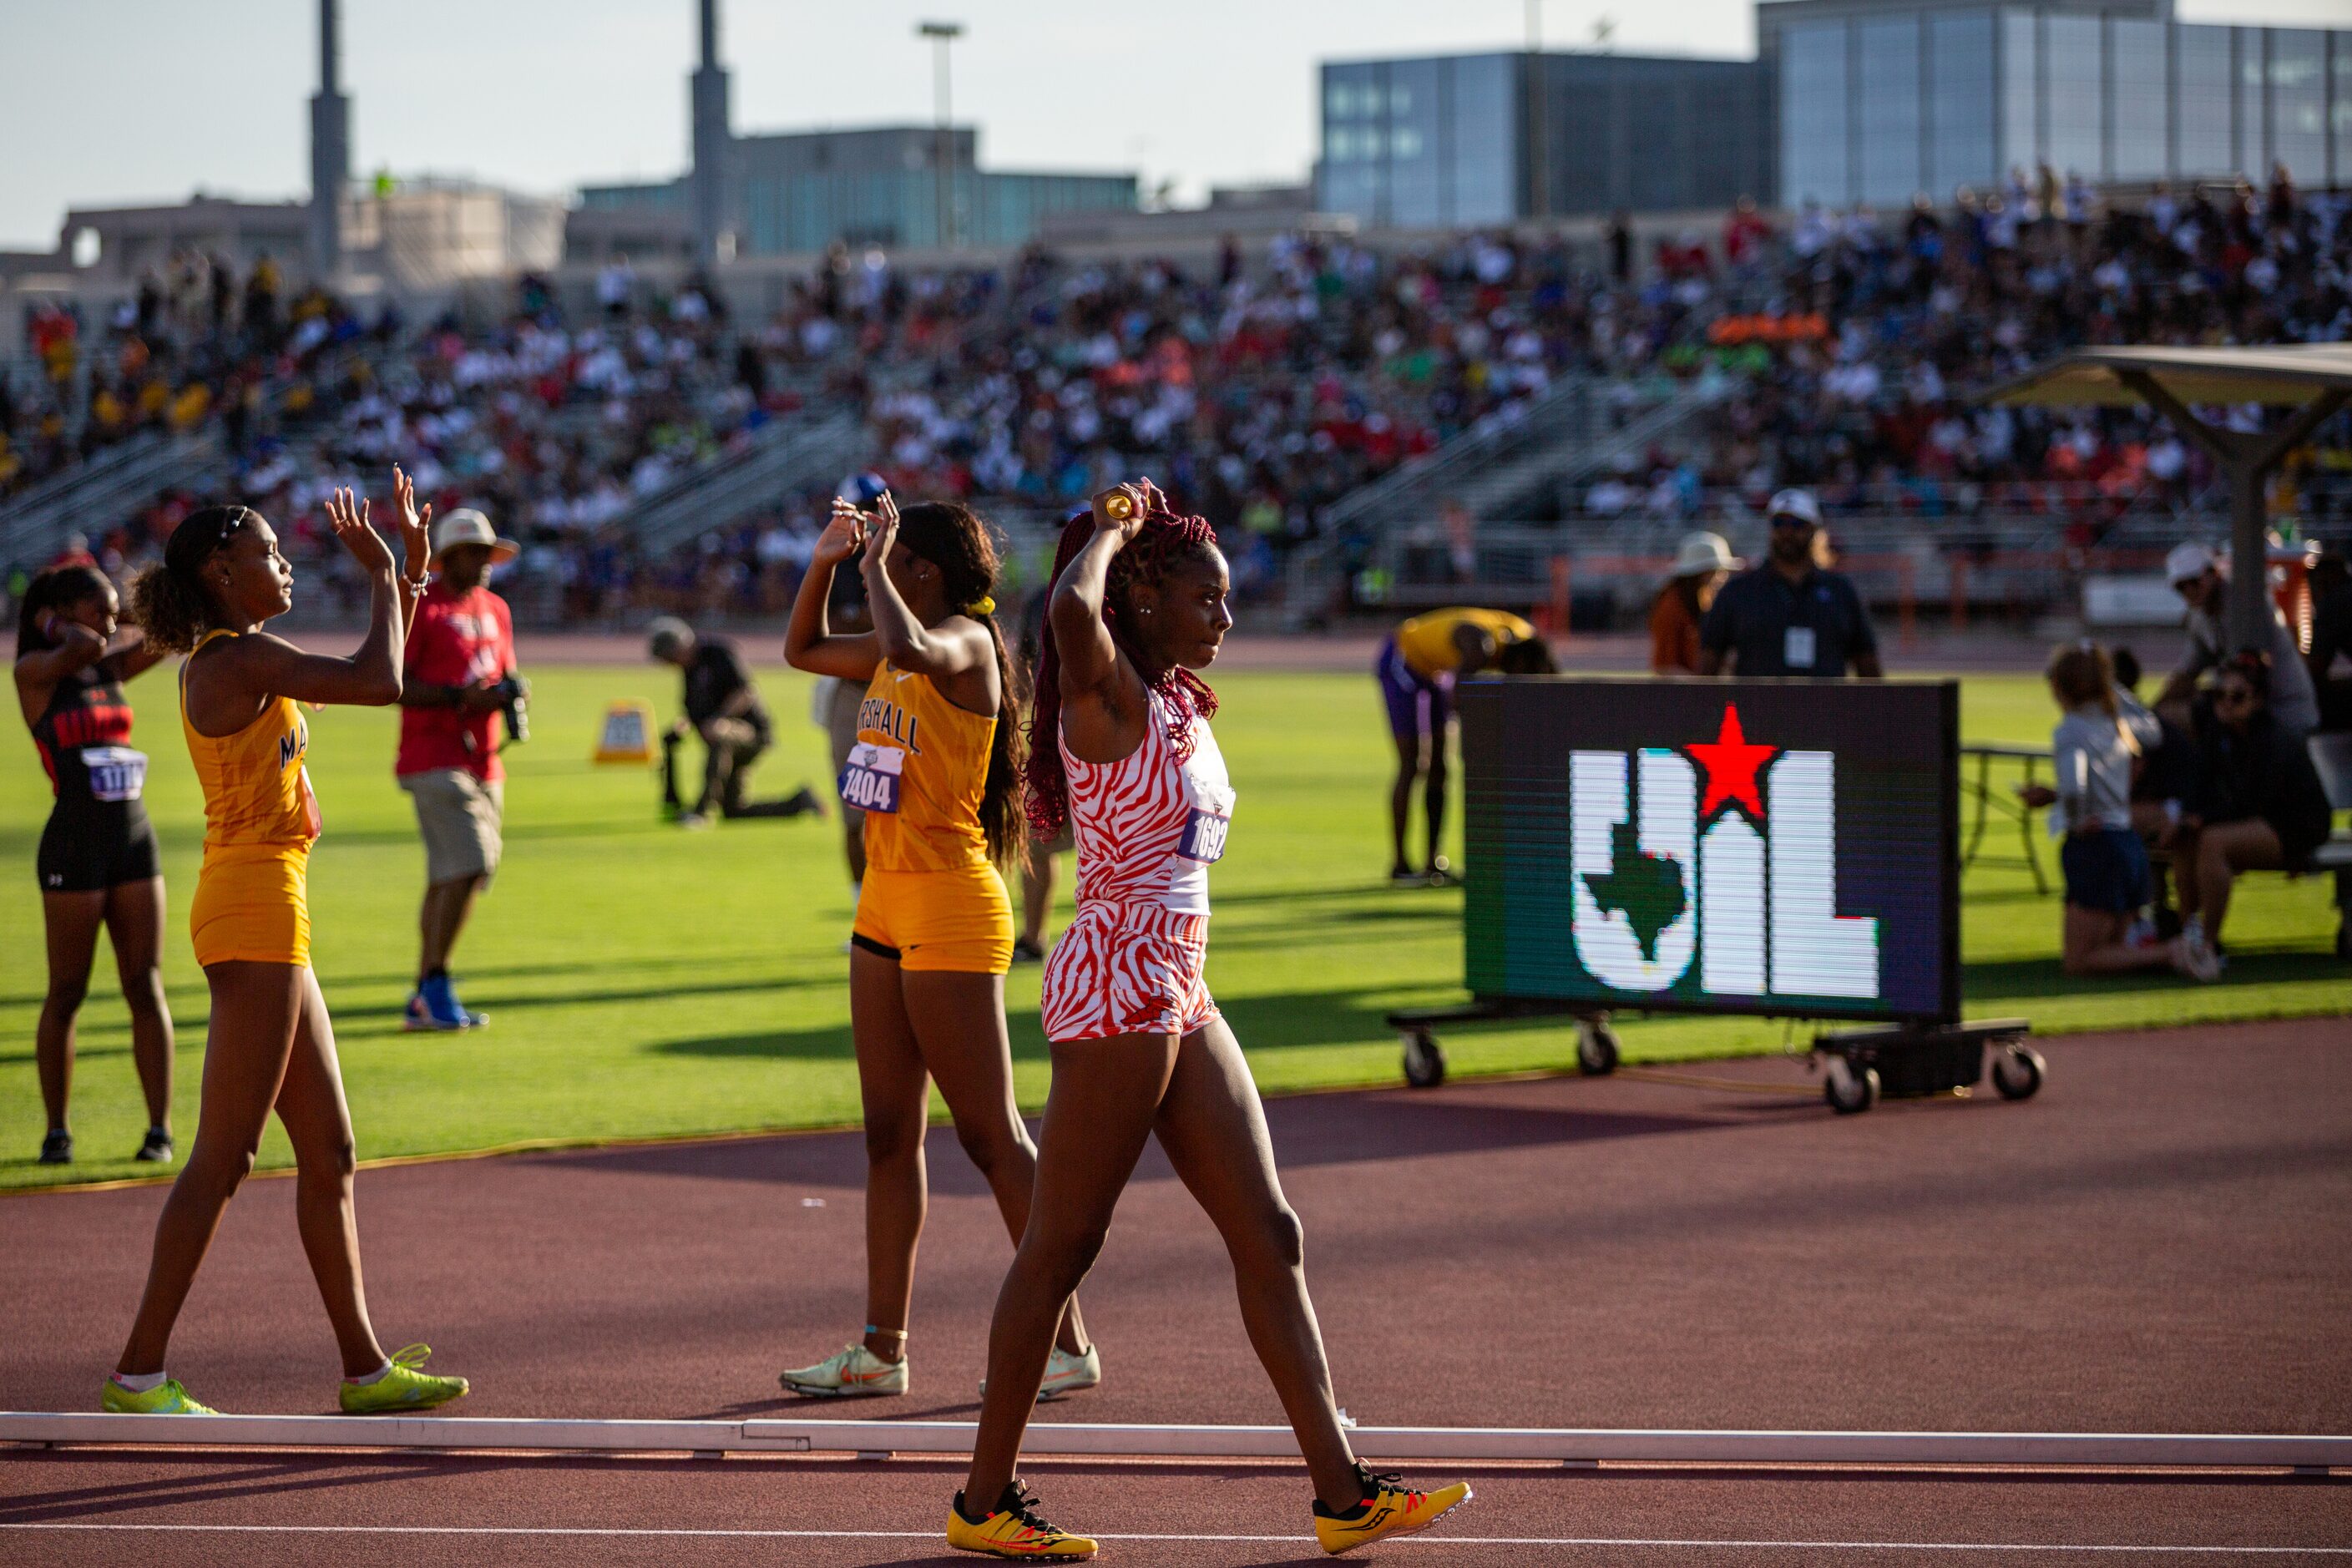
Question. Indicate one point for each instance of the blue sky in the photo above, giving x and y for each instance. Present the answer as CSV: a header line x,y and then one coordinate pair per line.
x,y
120,101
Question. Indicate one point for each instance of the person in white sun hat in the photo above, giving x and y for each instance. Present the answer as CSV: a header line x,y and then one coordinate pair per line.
x,y
458,684
1701,564
2202,578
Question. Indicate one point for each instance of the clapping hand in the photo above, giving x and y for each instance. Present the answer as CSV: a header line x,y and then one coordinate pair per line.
x,y
347,514
881,530
843,535
415,528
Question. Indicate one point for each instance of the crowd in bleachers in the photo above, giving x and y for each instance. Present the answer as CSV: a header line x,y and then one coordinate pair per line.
x,y
195,343
1261,389
1858,369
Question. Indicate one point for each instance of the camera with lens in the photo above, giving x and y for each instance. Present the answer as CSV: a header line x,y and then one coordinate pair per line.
x,y
514,701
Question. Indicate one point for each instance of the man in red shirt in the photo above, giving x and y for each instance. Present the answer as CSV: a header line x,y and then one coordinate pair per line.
x,y
460,653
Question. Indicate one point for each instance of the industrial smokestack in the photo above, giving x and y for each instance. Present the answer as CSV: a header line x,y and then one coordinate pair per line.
x,y
712,142
330,148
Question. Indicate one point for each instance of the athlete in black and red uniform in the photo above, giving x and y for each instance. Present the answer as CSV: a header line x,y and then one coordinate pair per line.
x,y
97,862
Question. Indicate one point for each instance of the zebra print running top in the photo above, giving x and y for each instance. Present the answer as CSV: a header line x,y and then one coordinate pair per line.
x,y
1148,827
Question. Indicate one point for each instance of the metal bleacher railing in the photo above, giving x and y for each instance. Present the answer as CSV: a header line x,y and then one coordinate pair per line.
x,y
1580,427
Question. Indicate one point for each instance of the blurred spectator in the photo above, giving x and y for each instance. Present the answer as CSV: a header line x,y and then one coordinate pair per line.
x,y
1790,615
2094,751
724,708
2197,575
1701,565
2258,805
2331,635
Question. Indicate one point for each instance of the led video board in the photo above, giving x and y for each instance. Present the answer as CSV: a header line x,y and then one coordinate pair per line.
x,y
1754,847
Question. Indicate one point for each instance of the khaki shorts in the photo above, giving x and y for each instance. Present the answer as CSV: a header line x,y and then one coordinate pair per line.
x,y
459,815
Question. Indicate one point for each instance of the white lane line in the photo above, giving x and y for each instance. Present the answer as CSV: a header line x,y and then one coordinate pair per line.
x,y
1618,1542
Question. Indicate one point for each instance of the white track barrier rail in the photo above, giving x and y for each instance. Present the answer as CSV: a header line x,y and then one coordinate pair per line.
x,y
1568,1446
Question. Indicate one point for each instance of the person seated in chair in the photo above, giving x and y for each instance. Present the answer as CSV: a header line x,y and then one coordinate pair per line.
x,y
2258,807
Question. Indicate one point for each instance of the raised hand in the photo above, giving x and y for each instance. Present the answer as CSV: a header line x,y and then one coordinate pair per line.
x,y
68,633
416,529
1119,510
881,530
843,535
347,514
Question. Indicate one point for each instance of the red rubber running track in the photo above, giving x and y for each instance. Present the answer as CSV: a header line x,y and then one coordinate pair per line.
x,y
2162,1241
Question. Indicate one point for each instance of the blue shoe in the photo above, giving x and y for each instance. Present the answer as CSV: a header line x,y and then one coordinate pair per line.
x,y
441,1009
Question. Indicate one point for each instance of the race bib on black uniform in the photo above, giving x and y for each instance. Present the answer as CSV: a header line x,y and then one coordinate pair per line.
x,y
116,773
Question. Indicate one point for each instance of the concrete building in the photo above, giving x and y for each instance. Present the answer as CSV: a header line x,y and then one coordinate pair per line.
x,y
111,246
1497,138
423,233
1879,100
792,192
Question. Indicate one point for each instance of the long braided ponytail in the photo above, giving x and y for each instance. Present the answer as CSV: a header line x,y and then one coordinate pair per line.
x,y
1166,539
954,537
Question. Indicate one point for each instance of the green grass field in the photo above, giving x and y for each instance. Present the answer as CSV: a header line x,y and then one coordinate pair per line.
x,y
648,982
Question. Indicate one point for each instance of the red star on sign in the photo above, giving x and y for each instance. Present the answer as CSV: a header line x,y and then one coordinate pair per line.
x,y
1731,763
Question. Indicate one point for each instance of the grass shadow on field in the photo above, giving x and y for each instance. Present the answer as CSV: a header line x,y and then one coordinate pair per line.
x,y
2252,970
828,1044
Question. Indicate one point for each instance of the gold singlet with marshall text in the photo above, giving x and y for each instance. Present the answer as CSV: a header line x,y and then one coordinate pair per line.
x,y
256,790
942,774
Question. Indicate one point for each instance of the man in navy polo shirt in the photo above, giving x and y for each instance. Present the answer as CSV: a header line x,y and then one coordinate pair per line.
x,y
1790,615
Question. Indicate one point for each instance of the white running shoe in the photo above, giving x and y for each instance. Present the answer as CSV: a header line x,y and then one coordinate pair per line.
x,y
2193,957
853,1372
1064,1374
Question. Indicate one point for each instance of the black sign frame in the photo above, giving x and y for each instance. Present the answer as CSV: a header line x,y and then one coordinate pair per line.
x,y
1518,734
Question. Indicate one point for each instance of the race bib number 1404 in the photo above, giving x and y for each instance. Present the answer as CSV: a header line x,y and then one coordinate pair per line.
x,y
870,781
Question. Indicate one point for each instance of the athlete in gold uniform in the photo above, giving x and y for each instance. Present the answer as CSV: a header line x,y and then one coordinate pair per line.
x,y
270,1043
1417,668
935,772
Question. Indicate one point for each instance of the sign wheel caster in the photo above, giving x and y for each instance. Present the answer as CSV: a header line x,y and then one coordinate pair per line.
x,y
1850,1091
1596,1048
2018,1071
1424,1059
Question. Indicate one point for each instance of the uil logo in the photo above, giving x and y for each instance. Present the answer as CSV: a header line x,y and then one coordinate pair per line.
x,y
1738,875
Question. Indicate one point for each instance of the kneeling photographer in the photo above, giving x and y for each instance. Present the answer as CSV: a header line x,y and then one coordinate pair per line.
x,y
724,708
460,700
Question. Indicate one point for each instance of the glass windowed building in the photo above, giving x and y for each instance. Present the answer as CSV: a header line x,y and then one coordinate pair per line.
x,y
1881,99
1490,139
800,191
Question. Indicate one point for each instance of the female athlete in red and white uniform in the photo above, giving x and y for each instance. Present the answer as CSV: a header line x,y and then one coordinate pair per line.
x,y
1120,741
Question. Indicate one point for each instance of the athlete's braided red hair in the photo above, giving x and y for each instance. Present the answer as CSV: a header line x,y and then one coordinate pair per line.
x,y
1166,539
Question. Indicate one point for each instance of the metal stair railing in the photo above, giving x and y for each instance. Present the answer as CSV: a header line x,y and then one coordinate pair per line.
x,y
102,497
1567,404
788,455
1480,466
49,488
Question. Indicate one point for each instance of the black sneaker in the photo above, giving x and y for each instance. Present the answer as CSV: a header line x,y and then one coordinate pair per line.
x,y
57,1148
157,1148
1027,951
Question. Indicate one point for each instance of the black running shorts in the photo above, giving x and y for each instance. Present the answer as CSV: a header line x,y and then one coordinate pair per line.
x,y
88,847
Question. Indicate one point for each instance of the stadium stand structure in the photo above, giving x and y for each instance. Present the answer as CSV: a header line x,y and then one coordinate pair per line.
x,y
119,478
1579,428
785,457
